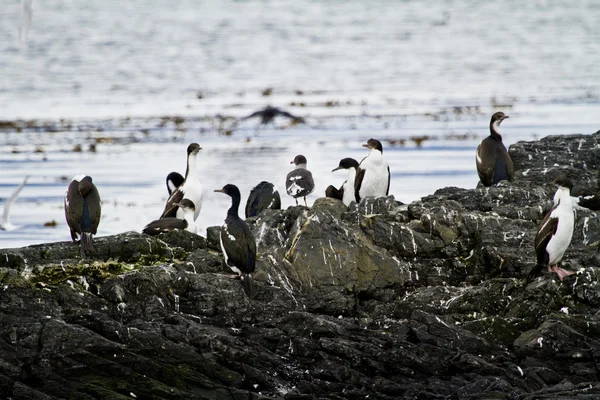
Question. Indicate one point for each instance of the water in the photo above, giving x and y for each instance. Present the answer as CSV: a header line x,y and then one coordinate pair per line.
x,y
106,72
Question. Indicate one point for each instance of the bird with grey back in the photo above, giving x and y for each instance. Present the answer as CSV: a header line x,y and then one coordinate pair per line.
x,y
299,182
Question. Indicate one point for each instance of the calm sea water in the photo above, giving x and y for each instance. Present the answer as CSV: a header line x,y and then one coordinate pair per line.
x,y
105,72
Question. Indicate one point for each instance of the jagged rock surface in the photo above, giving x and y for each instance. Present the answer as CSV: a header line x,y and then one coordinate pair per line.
x,y
393,301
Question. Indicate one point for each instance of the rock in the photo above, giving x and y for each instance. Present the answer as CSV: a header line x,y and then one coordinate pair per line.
x,y
378,299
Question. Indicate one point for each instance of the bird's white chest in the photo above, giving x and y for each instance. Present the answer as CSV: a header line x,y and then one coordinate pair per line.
x,y
375,181
560,241
194,191
348,186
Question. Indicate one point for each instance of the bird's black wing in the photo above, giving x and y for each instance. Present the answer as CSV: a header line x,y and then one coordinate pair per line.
x,y
95,208
486,162
171,208
360,174
240,245
510,167
73,207
254,114
334,193
164,225
546,230
387,191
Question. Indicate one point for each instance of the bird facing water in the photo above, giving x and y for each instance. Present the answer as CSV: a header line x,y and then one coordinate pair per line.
x,y
82,211
238,242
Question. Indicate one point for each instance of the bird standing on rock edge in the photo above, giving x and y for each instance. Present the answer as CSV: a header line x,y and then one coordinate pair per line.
x,y
191,188
82,211
263,196
346,192
238,242
172,223
555,232
299,182
373,176
492,159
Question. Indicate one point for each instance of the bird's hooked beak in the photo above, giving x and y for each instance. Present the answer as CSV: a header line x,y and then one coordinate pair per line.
x,y
367,146
503,118
219,190
338,168
291,162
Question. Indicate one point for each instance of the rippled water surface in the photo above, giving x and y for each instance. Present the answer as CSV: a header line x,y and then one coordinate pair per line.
x,y
105,73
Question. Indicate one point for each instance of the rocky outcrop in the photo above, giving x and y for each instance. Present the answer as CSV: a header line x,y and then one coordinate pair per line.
x,y
381,299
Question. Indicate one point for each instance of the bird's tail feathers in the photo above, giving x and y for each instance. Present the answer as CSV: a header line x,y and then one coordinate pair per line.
x,y
87,242
534,273
248,285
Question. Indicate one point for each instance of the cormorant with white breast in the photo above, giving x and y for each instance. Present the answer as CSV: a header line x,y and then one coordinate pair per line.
x,y
174,180
172,223
263,196
82,210
238,242
299,182
346,192
373,176
191,188
555,232
493,161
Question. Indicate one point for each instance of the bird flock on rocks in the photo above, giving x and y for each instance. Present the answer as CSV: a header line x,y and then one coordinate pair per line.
x,y
368,178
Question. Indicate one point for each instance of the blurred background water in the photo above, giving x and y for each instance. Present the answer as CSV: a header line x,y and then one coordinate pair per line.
x,y
137,81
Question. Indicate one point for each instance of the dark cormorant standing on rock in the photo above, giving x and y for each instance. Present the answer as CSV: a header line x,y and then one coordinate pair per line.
x,y
299,182
237,241
262,196
82,210
373,176
191,188
493,161
170,223
555,232
346,193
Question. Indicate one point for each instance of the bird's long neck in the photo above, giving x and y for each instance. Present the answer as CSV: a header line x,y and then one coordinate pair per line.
x,y
562,197
191,166
495,130
188,215
235,205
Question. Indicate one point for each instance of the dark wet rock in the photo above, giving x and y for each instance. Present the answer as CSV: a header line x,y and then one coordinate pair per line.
x,y
379,299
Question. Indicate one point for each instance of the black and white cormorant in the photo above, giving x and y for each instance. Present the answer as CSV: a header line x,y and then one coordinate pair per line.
x,y
82,210
5,224
170,223
373,176
238,242
555,232
174,180
262,196
299,182
493,161
346,193
191,188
